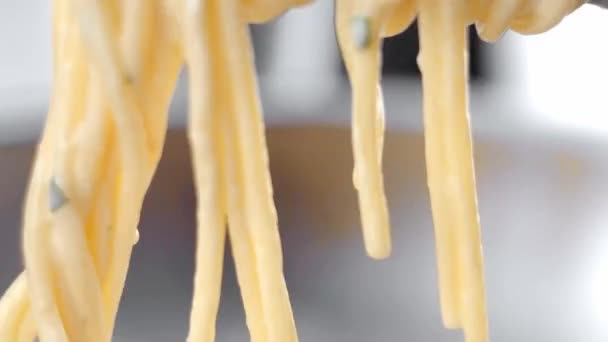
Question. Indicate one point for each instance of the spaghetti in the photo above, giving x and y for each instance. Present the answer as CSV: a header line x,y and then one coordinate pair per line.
x,y
116,64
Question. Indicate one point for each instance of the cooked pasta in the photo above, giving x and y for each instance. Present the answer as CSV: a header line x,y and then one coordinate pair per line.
x,y
116,65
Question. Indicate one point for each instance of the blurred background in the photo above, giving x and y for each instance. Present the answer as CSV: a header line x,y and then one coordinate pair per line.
x,y
539,112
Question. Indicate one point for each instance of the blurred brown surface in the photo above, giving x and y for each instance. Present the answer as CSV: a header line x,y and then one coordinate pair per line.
x,y
543,211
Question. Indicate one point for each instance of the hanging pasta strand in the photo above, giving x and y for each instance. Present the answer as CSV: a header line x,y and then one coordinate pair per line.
x,y
239,227
204,136
450,165
257,185
358,26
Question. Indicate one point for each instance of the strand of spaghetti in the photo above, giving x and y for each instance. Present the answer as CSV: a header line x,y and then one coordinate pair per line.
x,y
240,236
38,258
137,21
13,307
258,188
39,272
239,228
70,259
358,34
135,167
134,45
203,130
444,82
137,43
40,168
435,132
89,141
92,173
100,219
159,69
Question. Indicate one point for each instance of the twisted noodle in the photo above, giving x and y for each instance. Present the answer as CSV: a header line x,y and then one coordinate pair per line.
x,y
116,64
79,153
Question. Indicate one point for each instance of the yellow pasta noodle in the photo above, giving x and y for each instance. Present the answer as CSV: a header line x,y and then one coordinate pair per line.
x,y
115,68
450,165
358,30
204,137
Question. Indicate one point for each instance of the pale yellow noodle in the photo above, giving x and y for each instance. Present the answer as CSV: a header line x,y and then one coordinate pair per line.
x,y
443,69
101,222
132,140
239,227
37,224
93,175
204,139
435,131
36,217
240,230
39,272
13,306
363,65
258,188
137,34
